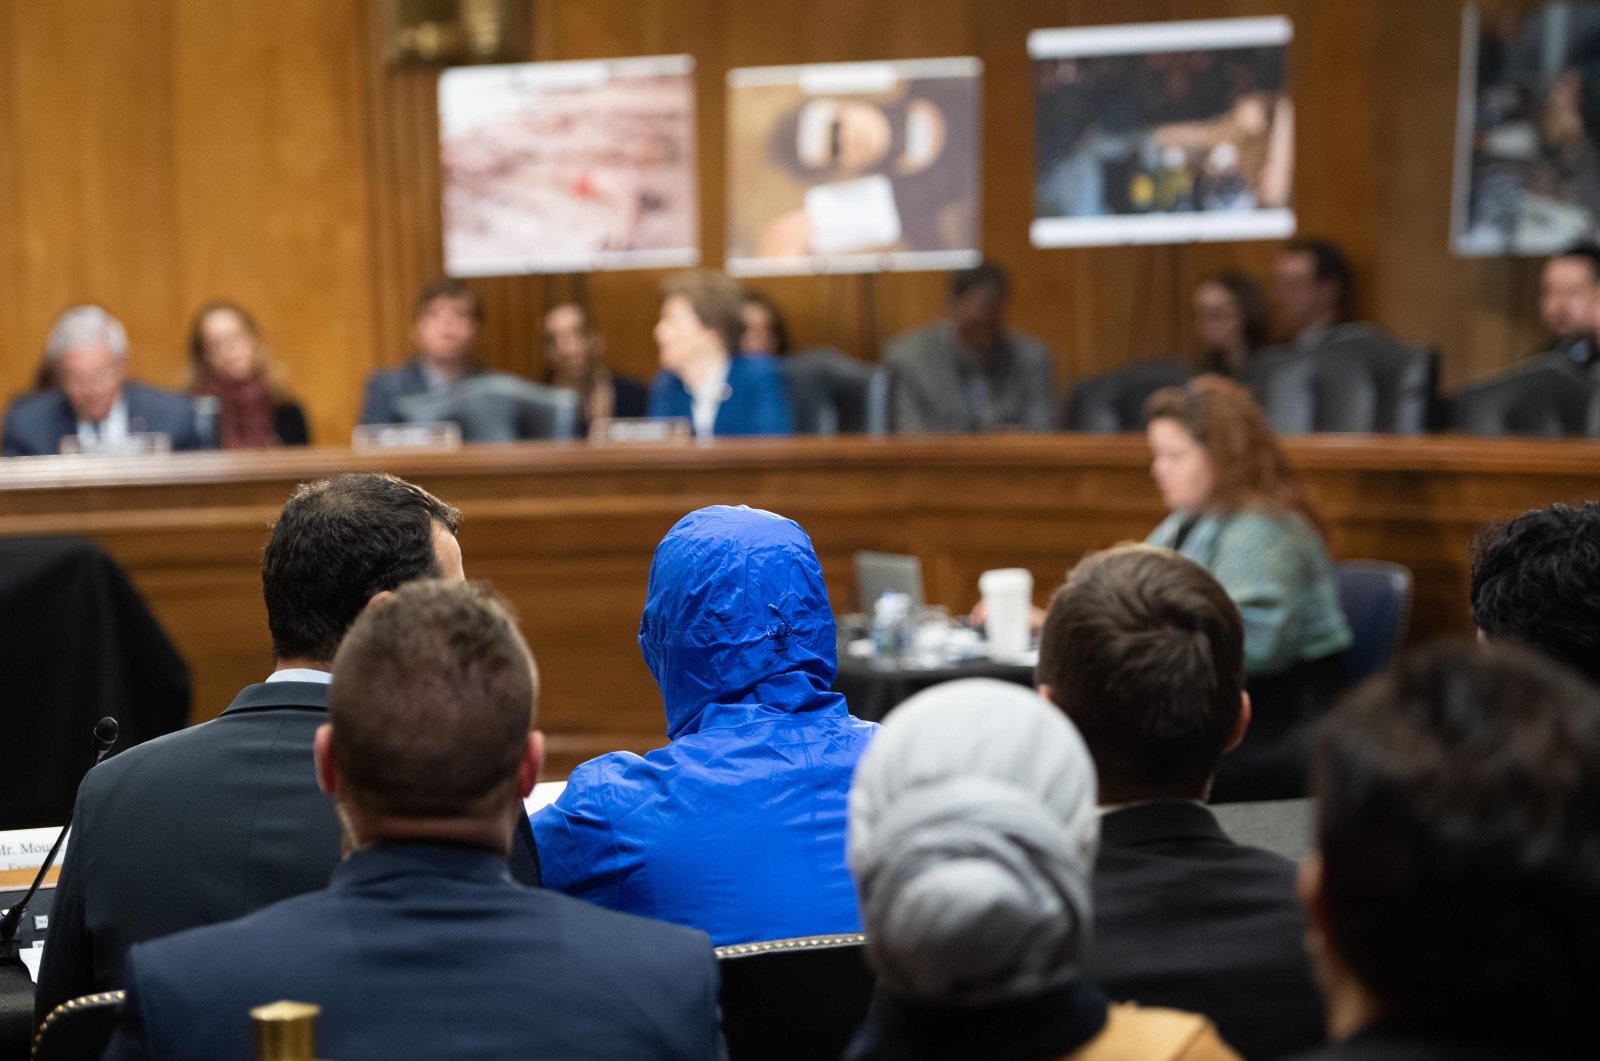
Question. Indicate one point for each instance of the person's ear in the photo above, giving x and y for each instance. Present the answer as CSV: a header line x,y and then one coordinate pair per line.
x,y
1045,695
322,754
597,346
1240,727
378,599
530,764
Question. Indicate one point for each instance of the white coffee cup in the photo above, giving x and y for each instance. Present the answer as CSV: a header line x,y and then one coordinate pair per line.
x,y
1008,599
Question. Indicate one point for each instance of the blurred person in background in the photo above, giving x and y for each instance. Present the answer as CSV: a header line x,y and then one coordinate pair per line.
x,y
229,363
702,379
574,358
1230,323
969,373
444,326
765,331
1239,510
85,393
1312,281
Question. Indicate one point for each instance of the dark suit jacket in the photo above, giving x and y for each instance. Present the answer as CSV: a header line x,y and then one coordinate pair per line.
x,y
1186,918
36,423
200,826
755,403
930,394
422,951
387,386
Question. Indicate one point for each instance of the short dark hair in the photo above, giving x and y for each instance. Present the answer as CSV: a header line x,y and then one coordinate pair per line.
x,y
987,275
434,692
338,542
1144,651
447,287
1329,264
1536,579
780,327
1459,825
1586,252
717,301
1252,303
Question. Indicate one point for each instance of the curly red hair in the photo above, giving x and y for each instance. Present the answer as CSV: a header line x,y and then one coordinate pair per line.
x,y
1251,470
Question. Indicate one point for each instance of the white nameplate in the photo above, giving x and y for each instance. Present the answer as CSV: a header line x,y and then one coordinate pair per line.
x,y
635,430
26,848
443,435
138,444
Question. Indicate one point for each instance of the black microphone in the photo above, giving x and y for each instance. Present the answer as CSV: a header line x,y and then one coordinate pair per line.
x,y
105,735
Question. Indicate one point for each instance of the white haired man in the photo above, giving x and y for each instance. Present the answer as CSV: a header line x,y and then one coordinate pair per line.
x,y
86,393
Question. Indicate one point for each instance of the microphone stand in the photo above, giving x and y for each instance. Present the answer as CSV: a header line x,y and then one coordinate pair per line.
x,y
105,735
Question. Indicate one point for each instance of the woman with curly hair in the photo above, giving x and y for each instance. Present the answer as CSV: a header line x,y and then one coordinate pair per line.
x,y
1239,510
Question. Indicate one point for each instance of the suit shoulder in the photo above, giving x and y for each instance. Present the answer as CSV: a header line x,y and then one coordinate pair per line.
x,y
1030,347
908,346
647,942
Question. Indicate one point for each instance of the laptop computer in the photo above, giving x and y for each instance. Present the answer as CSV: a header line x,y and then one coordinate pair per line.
x,y
880,573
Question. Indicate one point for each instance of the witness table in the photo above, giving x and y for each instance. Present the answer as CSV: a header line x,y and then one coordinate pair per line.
x,y
567,531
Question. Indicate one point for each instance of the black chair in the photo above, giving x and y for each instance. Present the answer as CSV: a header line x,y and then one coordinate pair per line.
x,y
1114,401
1376,599
77,1029
1545,401
1361,381
498,407
794,999
833,394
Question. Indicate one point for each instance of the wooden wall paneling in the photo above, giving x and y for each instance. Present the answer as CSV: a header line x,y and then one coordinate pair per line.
x,y
269,186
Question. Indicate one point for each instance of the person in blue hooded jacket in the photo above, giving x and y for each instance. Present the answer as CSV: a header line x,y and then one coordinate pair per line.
x,y
736,827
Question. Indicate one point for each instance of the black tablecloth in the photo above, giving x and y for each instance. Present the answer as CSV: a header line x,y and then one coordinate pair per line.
x,y
79,643
873,688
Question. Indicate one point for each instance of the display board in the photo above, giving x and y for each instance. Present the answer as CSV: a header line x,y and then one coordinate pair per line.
x,y
853,167
1528,131
569,167
1164,132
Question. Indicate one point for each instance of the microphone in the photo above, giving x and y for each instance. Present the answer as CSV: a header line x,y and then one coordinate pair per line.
x,y
105,735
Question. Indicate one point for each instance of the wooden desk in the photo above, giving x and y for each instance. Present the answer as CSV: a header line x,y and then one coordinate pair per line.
x,y
567,531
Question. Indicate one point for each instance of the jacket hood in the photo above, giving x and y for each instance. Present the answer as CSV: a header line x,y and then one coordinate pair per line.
x,y
737,619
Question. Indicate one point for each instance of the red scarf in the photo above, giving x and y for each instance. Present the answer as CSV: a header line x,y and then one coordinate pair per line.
x,y
245,421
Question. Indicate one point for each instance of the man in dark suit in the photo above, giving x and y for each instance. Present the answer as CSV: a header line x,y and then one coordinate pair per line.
x,y
1144,650
210,823
1452,897
969,374
89,397
444,326
423,947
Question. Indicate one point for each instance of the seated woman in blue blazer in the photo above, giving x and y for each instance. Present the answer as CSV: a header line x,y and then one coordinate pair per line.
x,y
700,379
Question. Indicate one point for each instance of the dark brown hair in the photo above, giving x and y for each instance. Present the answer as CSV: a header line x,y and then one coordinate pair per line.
x,y
1254,319
1458,820
199,371
451,288
433,696
1251,470
716,300
1144,651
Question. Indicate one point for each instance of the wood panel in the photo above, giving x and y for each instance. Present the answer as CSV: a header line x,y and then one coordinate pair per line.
x,y
567,532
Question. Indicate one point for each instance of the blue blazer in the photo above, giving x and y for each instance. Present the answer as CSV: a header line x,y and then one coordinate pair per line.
x,y
755,403
387,386
429,951
36,423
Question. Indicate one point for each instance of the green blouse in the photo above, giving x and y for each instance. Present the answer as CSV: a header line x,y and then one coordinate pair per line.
x,y
1277,571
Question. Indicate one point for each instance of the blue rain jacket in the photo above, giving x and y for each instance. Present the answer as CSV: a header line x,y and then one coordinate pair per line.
x,y
737,827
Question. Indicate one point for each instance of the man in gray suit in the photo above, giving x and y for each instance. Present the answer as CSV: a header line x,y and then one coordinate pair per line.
x,y
968,374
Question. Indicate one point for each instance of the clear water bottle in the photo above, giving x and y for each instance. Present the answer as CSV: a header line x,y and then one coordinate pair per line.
x,y
891,625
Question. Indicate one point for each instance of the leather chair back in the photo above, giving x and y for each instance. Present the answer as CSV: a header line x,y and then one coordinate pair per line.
x,y
1114,401
498,407
1376,598
1362,381
1543,401
833,394
794,999
78,1028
